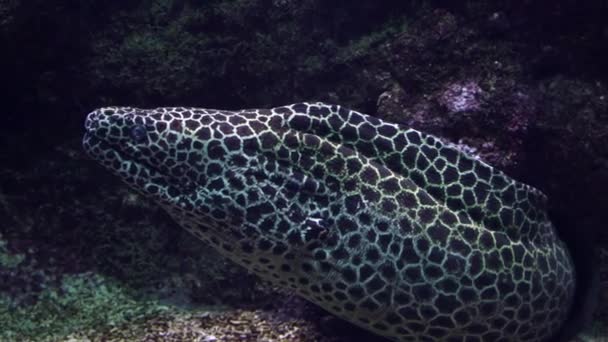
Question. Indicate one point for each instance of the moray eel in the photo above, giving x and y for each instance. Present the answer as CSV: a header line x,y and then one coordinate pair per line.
x,y
382,225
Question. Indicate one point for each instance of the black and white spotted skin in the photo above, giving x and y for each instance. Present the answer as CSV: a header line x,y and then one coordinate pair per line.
x,y
382,225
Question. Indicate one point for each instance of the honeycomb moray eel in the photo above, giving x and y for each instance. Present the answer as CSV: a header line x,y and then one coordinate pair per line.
x,y
384,226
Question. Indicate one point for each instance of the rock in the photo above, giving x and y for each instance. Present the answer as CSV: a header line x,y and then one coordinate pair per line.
x,y
462,97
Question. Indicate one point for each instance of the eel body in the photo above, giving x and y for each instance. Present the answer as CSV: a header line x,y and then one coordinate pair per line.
x,y
382,225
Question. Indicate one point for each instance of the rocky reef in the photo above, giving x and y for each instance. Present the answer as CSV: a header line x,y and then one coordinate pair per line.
x,y
521,85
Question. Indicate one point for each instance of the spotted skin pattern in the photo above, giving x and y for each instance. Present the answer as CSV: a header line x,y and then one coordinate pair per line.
x,y
382,225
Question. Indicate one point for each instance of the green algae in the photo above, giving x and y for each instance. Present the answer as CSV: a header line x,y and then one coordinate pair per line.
x,y
84,302
7,259
198,53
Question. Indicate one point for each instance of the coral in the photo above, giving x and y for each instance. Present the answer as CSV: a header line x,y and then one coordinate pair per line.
x,y
234,64
462,97
469,90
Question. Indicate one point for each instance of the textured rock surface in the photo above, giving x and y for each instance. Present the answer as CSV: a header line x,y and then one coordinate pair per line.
x,y
537,72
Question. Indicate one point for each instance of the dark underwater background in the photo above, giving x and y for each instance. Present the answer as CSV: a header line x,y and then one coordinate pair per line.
x,y
522,84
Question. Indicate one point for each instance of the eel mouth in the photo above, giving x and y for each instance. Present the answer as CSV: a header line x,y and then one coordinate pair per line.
x,y
137,173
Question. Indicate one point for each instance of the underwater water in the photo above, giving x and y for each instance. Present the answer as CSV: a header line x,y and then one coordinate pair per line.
x,y
466,202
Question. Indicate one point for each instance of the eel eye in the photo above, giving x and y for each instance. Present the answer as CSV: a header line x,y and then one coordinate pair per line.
x,y
139,133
